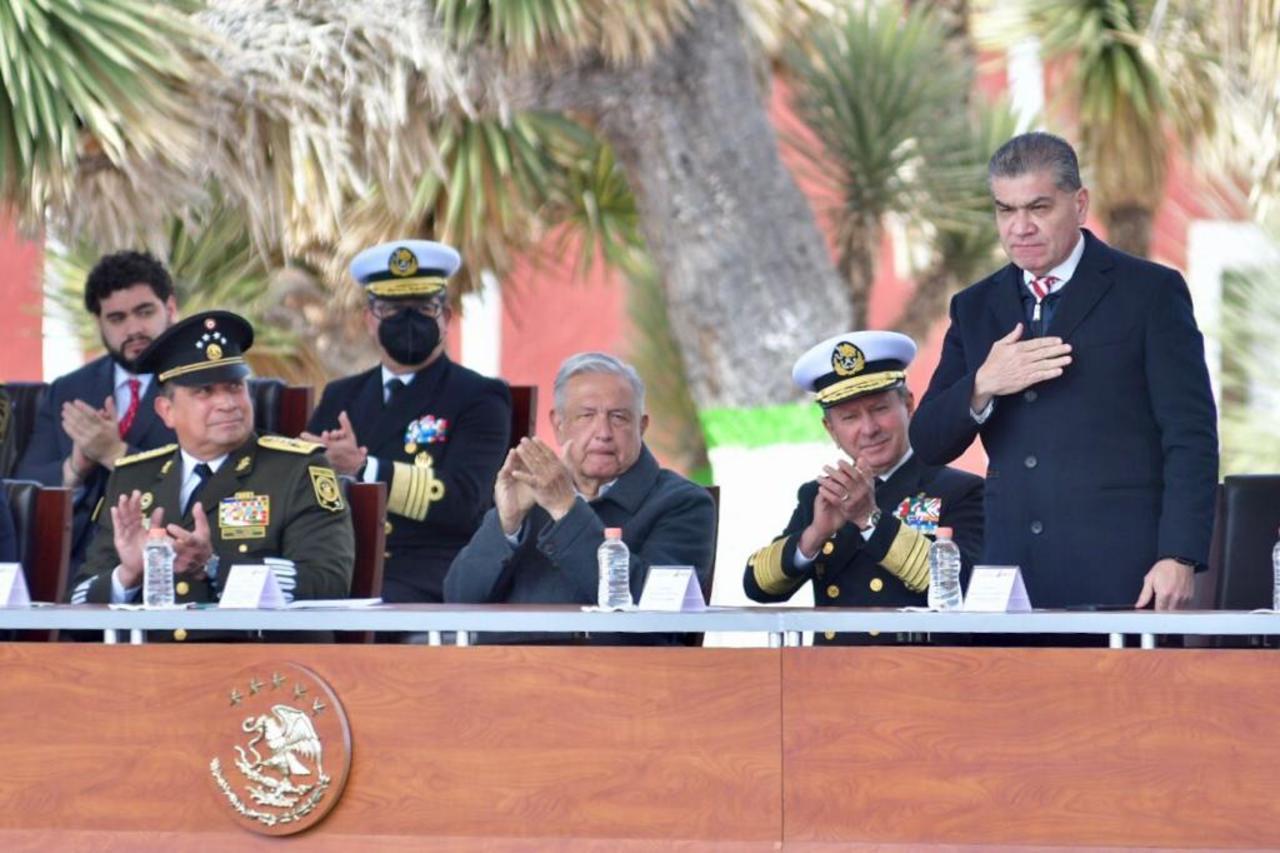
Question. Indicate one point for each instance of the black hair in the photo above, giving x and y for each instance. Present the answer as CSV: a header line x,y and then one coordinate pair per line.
x,y
122,270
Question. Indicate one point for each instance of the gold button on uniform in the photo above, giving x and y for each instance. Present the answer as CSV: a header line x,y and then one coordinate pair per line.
x,y
830,635
876,584
874,633
180,634
386,555
182,588
833,591
244,548
829,548
387,527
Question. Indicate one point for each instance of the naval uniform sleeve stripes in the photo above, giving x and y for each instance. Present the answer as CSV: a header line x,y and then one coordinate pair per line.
x,y
908,558
766,567
411,488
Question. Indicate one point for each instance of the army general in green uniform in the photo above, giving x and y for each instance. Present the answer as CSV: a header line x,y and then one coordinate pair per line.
x,y
225,495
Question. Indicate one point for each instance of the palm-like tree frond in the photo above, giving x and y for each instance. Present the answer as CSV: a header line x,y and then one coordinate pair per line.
x,y
547,32
872,91
90,85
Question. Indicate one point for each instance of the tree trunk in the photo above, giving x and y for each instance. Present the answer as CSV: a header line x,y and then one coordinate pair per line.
x,y
1129,228
748,279
934,289
860,248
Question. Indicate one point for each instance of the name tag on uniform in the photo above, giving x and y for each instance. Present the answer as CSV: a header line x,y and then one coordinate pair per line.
x,y
13,586
997,589
672,588
244,515
252,588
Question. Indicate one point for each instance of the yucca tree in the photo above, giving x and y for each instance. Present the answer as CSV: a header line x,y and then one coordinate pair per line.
x,y
962,232
883,93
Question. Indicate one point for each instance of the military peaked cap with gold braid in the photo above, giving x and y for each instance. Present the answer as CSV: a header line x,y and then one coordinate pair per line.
x,y
202,349
405,269
854,364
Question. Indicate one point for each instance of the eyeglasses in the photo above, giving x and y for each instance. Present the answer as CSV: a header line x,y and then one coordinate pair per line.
x,y
386,308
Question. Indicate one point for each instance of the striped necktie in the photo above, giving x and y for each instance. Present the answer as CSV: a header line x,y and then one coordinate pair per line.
x,y
1041,288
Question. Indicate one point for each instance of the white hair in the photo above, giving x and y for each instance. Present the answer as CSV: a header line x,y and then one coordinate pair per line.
x,y
597,362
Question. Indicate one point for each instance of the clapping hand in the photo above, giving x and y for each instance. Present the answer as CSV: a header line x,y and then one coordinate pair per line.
x,y
512,498
546,475
345,455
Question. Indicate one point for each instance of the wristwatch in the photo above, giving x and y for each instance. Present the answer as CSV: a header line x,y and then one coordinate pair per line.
x,y
872,521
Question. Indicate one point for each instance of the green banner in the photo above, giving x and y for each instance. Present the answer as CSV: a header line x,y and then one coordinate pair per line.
x,y
788,423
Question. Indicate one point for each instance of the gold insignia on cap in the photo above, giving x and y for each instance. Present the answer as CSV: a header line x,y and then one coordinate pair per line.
x,y
403,263
213,352
847,360
147,500
325,483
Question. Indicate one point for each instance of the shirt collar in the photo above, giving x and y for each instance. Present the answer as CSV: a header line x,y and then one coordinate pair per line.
x,y
122,376
189,463
406,378
883,478
1063,271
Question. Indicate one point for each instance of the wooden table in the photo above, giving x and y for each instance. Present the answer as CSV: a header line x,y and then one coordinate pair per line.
x,y
107,747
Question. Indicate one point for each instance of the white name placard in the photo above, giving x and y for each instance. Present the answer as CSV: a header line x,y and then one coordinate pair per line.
x,y
252,587
672,588
13,586
997,589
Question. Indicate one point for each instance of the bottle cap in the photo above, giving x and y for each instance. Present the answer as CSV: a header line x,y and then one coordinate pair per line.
x,y
613,532
945,532
157,533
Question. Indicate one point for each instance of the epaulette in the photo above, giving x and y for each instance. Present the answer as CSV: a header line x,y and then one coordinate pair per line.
x,y
289,445
146,454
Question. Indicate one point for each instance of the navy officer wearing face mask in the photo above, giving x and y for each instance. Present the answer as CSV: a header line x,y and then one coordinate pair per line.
x,y
432,430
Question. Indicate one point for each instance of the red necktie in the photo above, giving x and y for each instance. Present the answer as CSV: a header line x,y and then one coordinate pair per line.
x,y
131,413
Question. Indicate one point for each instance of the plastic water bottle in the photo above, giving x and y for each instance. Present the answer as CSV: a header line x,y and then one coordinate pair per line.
x,y
614,559
944,573
157,567
1275,575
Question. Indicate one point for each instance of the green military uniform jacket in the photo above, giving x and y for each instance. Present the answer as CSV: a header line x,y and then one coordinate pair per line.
x,y
271,497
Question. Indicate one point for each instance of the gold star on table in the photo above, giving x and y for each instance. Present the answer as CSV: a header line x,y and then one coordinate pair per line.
x,y
316,707
255,686
276,680
236,696
298,690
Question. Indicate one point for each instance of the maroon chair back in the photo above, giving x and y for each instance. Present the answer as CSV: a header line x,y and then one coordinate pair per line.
x,y
42,518
368,502
524,412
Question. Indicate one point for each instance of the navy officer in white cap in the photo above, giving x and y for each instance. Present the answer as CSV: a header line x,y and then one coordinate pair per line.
x,y
432,430
861,531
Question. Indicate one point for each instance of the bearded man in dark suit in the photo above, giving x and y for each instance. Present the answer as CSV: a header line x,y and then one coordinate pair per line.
x,y
105,410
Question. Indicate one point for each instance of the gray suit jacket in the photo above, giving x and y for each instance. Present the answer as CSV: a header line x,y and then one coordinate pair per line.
x,y
665,520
